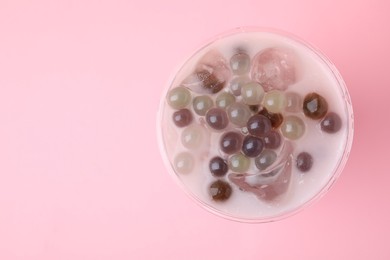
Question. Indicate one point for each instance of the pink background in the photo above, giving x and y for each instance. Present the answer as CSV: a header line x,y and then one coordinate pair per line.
x,y
81,176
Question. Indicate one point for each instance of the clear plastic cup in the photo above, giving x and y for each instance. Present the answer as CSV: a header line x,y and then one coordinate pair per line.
x,y
255,125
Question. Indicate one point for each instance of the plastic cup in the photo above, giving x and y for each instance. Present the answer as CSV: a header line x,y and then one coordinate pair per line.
x,y
282,162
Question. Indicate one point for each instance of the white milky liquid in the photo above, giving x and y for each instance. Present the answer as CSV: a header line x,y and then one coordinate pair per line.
x,y
327,150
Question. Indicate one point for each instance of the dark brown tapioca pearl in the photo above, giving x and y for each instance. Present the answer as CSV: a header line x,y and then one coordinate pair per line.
x,y
218,167
275,118
182,117
258,125
220,190
210,82
304,161
217,118
315,106
254,108
231,142
331,123
252,146
272,140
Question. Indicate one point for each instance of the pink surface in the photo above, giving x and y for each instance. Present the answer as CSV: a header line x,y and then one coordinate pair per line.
x,y
81,176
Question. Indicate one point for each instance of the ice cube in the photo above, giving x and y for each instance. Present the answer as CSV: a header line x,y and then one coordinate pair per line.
x,y
269,184
211,74
274,69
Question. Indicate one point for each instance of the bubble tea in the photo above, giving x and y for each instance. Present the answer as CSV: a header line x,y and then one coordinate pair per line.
x,y
255,125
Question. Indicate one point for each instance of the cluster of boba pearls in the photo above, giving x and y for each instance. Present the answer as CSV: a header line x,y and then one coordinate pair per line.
x,y
248,103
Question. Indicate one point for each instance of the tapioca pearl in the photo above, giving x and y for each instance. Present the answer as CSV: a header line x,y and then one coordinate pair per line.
x,y
224,99
183,163
182,117
192,136
293,102
236,84
254,108
265,159
179,97
239,163
304,162
331,123
258,125
252,146
201,104
238,114
218,167
274,101
217,118
231,142
220,190
292,127
272,140
275,118
240,63
252,93
315,106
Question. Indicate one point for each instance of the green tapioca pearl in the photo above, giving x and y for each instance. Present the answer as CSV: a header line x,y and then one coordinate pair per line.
x,y
184,162
238,114
179,97
293,127
201,104
224,99
252,93
239,163
274,101
265,159
240,63
192,137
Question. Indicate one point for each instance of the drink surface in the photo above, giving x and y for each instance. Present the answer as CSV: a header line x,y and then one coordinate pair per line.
x,y
195,119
